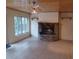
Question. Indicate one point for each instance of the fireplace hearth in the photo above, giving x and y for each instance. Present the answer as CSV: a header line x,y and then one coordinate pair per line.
x,y
48,31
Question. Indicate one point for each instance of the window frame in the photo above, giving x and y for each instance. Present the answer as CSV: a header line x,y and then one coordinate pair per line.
x,y
25,25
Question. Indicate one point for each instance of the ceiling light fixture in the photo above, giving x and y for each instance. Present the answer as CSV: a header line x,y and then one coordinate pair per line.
x,y
34,8
34,11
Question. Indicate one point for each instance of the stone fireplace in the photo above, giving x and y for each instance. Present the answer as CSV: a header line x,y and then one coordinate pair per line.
x,y
48,31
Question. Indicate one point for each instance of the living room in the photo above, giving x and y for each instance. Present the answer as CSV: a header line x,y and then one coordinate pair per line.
x,y
39,29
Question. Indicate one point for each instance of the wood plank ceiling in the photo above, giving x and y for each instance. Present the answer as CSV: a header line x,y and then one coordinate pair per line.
x,y
45,5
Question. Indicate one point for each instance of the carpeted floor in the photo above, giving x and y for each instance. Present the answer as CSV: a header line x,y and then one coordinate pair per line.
x,y
33,48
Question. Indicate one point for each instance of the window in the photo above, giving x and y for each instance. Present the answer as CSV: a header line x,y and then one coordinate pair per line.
x,y
21,25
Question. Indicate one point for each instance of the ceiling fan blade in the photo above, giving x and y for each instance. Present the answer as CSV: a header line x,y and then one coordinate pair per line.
x,y
39,9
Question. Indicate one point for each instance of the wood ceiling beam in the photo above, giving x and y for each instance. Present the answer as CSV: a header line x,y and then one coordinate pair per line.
x,y
18,10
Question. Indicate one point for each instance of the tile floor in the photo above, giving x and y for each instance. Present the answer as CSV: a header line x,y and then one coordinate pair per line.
x,y
33,48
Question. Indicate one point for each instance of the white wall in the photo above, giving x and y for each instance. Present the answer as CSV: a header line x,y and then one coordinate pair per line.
x,y
34,28
48,17
66,27
10,26
51,17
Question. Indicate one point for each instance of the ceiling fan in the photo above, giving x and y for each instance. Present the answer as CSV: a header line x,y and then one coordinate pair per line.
x,y
34,6
35,9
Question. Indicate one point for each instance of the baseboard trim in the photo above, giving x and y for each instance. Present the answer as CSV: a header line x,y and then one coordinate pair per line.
x,y
20,40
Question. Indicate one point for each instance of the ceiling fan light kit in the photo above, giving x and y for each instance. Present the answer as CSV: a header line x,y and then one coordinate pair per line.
x,y
34,14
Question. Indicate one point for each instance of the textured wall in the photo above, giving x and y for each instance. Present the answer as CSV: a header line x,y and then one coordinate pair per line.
x,y
66,26
10,26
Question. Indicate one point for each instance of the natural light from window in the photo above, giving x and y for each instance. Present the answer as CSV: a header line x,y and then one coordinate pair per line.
x,y
21,25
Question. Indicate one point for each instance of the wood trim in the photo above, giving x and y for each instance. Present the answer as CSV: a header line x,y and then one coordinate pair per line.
x,y
66,17
56,11
48,22
47,11
39,11
59,27
65,11
17,10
